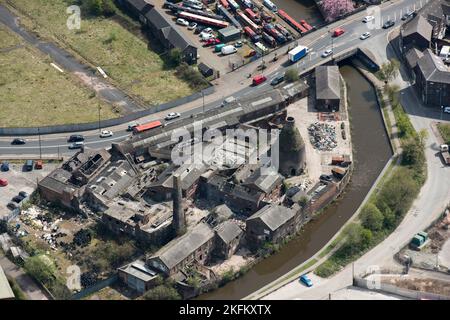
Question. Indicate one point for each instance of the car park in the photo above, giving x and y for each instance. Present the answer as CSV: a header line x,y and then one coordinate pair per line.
x,y
388,24
3,182
18,141
75,138
338,32
76,145
277,80
172,115
365,35
306,280
106,133
192,26
5,166
326,53
368,18
182,22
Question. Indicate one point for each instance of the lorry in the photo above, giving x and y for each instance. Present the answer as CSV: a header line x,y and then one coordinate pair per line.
x,y
445,154
297,53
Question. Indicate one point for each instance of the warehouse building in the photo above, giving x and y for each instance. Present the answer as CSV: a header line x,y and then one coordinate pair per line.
x,y
229,34
328,88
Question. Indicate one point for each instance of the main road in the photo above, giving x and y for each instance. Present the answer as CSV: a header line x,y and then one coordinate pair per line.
x,y
238,83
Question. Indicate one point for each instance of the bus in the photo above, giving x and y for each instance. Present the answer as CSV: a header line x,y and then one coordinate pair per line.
x,y
147,126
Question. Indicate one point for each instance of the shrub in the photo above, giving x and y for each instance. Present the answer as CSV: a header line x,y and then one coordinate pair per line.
x,y
99,7
162,292
291,75
175,57
371,217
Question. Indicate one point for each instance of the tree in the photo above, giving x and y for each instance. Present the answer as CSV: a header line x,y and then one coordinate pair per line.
x,y
162,292
333,9
389,70
291,75
41,268
413,153
175,57
99,7
371,217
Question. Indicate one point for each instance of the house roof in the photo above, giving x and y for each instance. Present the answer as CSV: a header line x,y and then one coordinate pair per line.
x,y
5,289
228,231
273,216
139,270
189,174
179,249
412,56
264,181
433,68
328,82
141,5
418,25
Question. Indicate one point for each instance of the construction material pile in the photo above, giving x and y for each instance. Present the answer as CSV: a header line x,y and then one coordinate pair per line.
x,y
322,136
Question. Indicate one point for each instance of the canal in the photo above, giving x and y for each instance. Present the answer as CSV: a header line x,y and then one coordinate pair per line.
x,y
371,150
301,10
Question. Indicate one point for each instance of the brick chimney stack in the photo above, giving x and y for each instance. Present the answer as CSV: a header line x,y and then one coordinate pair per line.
x,y
179,219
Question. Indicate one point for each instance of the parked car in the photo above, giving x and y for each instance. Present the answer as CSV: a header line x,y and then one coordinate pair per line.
x,y
250,53
76,145
12,205
365,35
325,177
192,26
368,18
5,166
23,194
106,133
29,164
258,79
277,80
182,22
338,32
206,36
208,30
199,29
388,24
408,15
326,53
447,109
238,44
39,165
17,141
211,42
3,182
306,280
18,199
75,138
172,115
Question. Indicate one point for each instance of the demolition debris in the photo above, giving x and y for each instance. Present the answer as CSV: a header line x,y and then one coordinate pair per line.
x,y
322,136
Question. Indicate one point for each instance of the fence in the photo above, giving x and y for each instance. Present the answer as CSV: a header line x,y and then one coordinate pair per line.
x,y
96,287
105,123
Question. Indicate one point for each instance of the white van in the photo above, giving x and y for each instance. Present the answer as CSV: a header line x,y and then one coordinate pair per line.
x,y
228,101
228,50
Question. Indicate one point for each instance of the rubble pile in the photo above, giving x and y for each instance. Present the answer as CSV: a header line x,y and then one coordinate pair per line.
x,y
322,136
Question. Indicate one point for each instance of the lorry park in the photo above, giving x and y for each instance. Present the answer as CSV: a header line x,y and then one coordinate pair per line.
x,y
253,27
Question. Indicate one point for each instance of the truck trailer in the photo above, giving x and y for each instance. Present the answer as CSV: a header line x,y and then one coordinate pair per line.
x,y
297,53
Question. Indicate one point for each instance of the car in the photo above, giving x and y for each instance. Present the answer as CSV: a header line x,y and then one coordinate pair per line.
x,y
368,18
338,32
325,177
172,115
192,26
447,109
250,53
408,15
38,165
238,44
12,206
326,53
29,164
211,42
5,166
18,141
206,36
106,133
23,194
76,145
3,182
199,29
388,24
18,199
208,30
365,35
306,280
277,80
258,79
75,138
182,22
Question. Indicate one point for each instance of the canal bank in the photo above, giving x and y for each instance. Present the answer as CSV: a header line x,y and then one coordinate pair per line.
x,y
368,134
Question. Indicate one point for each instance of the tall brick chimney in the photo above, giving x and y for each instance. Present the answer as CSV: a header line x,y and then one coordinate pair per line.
x,y
179,219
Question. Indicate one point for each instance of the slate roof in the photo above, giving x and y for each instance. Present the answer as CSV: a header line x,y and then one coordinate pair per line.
x,y
433,68
141,5
264,182
412,56
273,216
228,231
328,82
418,25
179,249
189,174
139,270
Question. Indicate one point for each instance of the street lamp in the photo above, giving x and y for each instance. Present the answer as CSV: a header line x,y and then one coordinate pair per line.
x,y
442,111
99,127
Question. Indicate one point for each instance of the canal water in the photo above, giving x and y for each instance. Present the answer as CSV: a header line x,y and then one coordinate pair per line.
x,y
301,10
371,150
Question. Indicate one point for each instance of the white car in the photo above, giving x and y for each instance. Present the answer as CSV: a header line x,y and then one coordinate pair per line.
x,y
182,22
207,30
447,109
365,35
192,26
326,53
368,18
206,36
172,115
106,133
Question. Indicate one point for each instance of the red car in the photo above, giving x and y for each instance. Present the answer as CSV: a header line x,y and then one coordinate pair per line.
x,y
3,182
211,42
258,79
338,31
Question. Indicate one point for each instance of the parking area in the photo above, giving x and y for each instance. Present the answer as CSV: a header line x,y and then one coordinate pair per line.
x,y
19,179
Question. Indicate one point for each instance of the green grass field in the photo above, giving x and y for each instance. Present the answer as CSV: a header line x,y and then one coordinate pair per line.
x,y
444,129
33,93
105,43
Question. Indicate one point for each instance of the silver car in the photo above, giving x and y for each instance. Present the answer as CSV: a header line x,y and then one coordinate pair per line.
x,y
365,35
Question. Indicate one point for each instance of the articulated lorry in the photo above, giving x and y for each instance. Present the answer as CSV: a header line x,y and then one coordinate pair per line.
x,y
297,53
